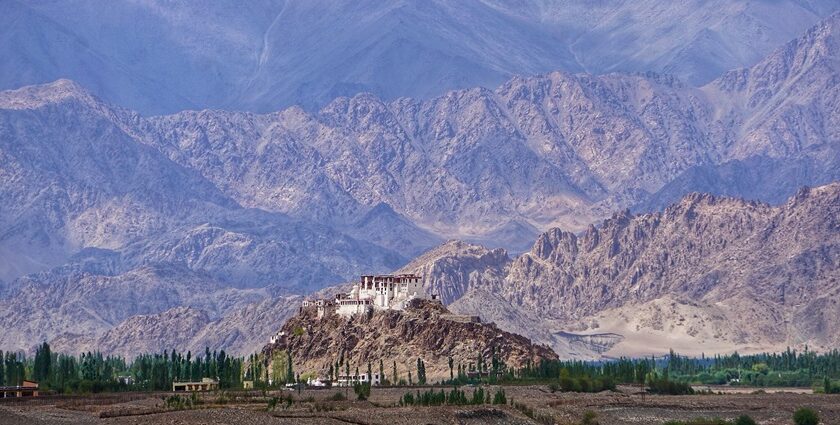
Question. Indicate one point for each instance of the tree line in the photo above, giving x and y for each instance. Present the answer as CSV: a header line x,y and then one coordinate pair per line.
x,y
95,372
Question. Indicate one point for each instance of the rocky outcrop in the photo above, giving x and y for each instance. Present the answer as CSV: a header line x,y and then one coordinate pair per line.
x,y
423,330
706,274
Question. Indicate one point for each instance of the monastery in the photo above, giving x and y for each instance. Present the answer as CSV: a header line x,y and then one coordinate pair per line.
x,y
383,292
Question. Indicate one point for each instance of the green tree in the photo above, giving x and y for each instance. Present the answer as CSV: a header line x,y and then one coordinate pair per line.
x,y
41,366
499,397
421,372
290,370
207,359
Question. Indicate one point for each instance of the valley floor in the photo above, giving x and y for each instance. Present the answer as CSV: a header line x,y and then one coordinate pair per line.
x,y
313,407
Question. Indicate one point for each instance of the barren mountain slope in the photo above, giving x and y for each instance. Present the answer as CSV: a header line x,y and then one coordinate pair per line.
x,y
707,274
557,149
242,331
160,56
95,196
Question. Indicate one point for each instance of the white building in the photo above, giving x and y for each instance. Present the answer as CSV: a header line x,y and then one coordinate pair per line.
x,y
385,292
276,337
316,382
351,380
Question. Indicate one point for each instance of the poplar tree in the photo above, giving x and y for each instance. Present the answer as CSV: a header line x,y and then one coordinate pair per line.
x,y
290,372
41,366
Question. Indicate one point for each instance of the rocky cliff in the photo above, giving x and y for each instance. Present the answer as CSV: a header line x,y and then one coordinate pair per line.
x,y
707,274
425,330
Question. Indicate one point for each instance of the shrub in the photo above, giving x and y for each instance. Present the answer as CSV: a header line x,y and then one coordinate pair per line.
x,y
362,391
700,421
744,420
478,396
665,386
407,400
536,416
806,416
338,396
499,397
589,418
456,397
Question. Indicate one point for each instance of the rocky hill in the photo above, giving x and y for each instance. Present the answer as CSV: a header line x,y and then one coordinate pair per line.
x,y
707,274
425,330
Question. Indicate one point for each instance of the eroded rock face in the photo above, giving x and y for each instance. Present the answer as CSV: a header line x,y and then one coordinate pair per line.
x,y
424,330
707,273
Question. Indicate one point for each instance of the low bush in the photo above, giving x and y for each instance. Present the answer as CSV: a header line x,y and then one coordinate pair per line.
x,y
806,416
741,420
744,420
589,418
272,404
666,386
531,413
499,397
338,396
362,391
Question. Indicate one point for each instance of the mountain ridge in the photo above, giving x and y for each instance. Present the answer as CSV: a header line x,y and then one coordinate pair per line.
x,y
293,201
697,266
639,296
184,56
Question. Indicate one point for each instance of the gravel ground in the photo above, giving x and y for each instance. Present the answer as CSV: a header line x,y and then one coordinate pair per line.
x,y
612,408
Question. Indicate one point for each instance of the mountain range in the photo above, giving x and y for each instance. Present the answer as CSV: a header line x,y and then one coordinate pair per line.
x,y
706,275
111,218
159,56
